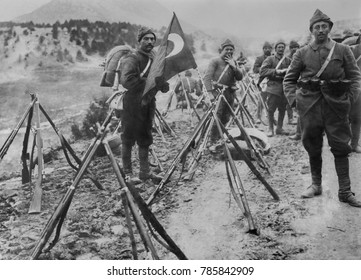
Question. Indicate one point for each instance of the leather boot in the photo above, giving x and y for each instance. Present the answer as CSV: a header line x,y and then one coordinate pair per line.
x,y
316,174
279,130
127,159
127,164
270,124
144,170
344,192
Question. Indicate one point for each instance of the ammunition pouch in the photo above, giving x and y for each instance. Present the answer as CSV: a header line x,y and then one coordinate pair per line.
x,y
309,84
336,88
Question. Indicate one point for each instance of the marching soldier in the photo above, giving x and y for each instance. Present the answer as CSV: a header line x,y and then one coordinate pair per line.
x,y
323,79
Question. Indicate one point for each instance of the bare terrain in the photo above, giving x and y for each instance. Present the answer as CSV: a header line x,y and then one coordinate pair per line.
x,y
200,215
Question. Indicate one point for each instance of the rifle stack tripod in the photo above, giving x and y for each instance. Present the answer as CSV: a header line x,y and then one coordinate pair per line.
x,y
198,142
133,203
35,108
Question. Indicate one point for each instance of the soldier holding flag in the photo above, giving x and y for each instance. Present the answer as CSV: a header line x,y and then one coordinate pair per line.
x,y
137,120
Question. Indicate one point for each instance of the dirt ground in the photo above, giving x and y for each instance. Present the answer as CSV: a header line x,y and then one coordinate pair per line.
x,y
201,215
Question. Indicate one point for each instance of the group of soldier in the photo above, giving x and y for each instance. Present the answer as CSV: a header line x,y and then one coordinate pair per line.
x,y
321,80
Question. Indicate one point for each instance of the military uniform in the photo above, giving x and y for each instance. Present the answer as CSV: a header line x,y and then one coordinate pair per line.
x,y
214,71
324,104
192,88
276,98
355,114
137,118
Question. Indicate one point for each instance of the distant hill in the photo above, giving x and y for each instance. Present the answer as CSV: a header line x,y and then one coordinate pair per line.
x,y
142,12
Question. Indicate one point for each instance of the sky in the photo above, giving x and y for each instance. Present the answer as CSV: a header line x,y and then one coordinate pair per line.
x,y
245,17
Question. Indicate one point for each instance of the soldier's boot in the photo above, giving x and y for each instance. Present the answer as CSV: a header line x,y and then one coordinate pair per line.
x,y
344,192
127,163
316,174
270,125
144,169
355,128
279,129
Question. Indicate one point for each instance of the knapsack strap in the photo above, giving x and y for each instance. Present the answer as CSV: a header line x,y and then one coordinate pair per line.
x,y
358,58
146,68
222,74
280,62
328,59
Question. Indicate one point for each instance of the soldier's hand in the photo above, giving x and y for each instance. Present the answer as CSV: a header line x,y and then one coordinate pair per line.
x,y
230,60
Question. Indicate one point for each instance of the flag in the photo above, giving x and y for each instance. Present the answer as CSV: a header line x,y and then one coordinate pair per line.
x,y
173,56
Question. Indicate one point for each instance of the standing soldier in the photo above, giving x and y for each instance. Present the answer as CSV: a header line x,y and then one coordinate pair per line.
x,y
267,49
323,78
274,68
222,73
137,120
293,46
191,86
355,114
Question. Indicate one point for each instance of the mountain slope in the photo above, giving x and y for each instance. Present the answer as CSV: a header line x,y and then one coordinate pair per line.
x,y
144,12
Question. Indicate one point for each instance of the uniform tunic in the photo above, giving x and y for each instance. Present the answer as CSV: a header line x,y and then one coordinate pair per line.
x,y
137,120
229,78
321,110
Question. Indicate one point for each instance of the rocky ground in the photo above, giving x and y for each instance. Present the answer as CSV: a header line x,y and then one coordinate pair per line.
x,y
201,215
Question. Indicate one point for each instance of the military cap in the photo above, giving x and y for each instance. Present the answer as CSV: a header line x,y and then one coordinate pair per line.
x,y
144,31
294,44
280,42
227,43
267,45
319,16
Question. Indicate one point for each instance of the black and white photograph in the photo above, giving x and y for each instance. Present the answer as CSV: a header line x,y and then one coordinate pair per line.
x,y
180,130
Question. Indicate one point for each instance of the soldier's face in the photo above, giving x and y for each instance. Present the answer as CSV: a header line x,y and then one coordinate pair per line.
x,y
267,51
280,49
320,31
227,51
293,50
147,43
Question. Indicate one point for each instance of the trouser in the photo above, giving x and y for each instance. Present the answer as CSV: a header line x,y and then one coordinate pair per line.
x,y
143,152
275,102
223,114
355,122
321,118
289,112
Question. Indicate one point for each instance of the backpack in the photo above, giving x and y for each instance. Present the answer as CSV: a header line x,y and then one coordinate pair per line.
x,y
112,63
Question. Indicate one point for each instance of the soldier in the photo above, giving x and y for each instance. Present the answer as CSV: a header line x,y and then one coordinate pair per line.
x,y
191,86
323,78
138,118
293,46
267,49
355,114
222,73
274,68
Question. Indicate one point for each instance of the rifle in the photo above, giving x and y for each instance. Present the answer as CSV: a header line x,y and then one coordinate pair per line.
x,y
180,156
25,176
35,205
13,133
58,216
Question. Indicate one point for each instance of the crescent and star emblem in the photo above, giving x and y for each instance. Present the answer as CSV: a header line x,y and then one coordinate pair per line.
x,y
178,44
